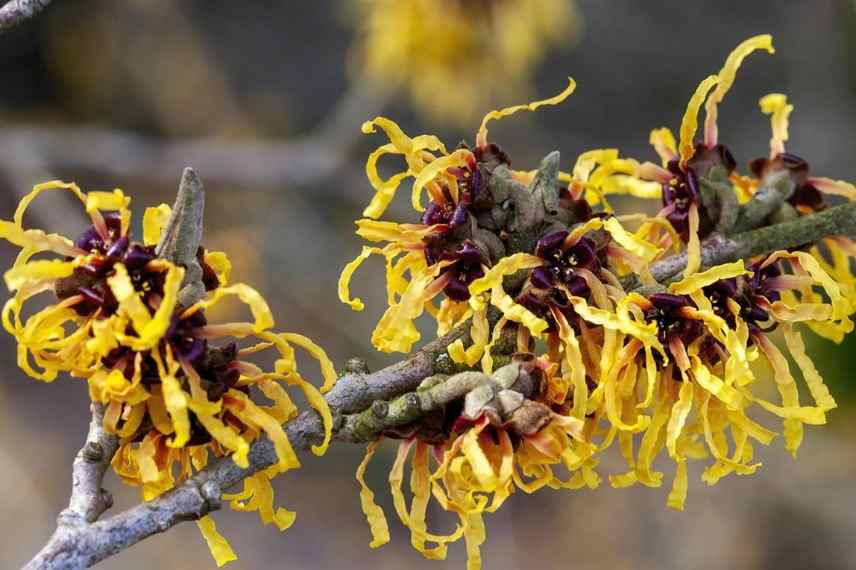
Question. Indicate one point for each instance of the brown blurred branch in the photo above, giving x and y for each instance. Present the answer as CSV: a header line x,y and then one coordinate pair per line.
x,y
300,161
17,11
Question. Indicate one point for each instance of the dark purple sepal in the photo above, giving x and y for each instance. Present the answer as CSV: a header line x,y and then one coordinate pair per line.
x,y
456,289
542,278
137,256
550,242
668,301
118,247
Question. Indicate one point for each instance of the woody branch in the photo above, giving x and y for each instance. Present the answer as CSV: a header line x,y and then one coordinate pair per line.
x,y
17,11
364,404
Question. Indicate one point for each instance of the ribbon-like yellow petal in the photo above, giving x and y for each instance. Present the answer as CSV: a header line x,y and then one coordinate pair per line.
x,y
220,549
461,157
726,77
481,136
154,221
664,144
698,281
689,123
776,105
374,514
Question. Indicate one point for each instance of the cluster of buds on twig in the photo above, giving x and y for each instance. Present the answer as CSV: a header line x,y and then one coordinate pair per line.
x,y
614,355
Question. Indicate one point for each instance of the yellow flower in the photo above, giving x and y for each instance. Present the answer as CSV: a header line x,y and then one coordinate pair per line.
x,y
449,248
833,254
170,395
714,325
454,57
488,454
684,162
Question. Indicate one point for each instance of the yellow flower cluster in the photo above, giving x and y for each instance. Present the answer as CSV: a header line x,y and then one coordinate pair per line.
x,y
675,368
453,57
172,397
481,464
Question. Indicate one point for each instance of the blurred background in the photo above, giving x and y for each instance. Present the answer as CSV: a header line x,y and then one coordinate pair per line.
x,y
265,100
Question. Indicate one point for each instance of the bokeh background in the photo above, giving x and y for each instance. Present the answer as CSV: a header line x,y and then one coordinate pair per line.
x,y
259,98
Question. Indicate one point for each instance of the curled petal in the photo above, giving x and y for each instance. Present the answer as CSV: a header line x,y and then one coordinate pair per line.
x,y
286,366
587,161
726,79
115,200
220,549
494,276
694,243
629,241
791,411
258,496
175,401
481,137
154,221
677,421
384,189
632,186
619,320
248,412
149,328
348,273
835,187
776,105
664,143
461,157
400,143
402,234
517,313
678,493
39,270
574,365
725,393
689,123
219,262
328,371
396,332
37,240
262,316
479,333
700,280
822,398
374,514
38,189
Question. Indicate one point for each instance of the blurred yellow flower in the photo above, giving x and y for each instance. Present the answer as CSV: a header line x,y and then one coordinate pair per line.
x,y
455,57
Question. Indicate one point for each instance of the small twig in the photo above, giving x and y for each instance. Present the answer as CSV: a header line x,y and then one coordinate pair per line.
x,y
716,249
88,499
433,394
771,194
17,11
